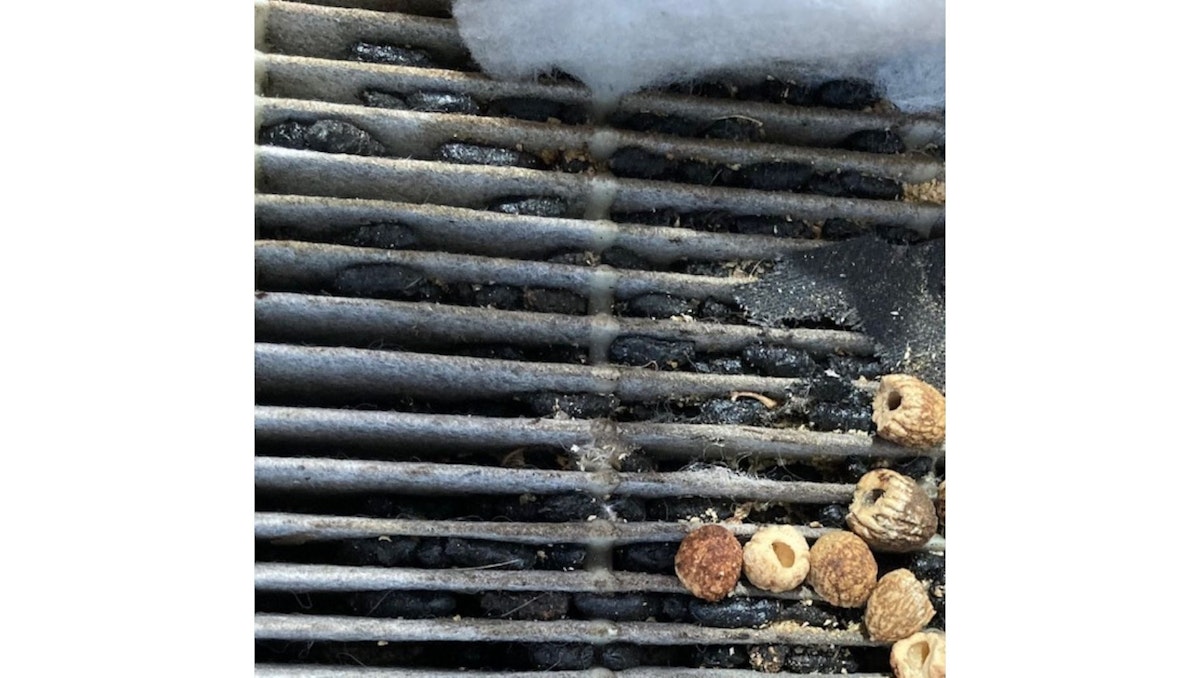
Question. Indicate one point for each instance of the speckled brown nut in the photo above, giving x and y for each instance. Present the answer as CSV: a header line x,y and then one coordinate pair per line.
x,y
709,562
941,503
841,569
909,412
776,558
891,512
898,608
921,655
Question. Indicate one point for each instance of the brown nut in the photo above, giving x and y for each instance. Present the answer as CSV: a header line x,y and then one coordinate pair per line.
x,y
921,655
898,608
891,512
776,558
841,569
709,562
909,412
941,502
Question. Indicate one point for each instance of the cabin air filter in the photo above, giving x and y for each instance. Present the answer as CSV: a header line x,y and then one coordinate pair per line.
x,y
516,339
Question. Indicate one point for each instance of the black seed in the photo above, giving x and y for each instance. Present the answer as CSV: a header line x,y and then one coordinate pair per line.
x,y
733,613
575,114
833,515
543,300
716,90
704,173
572,507
874,141
533,206
736,129
636,462
744,412
407,604
539,606
916,468
575,506
368,654
898,235
664,354
856,467
721,656
713,221
839,417
808,614
431,553
653,558
478,154
659,306
872,188
391,54
774,176
719,366
779,361
616,606
798,94
657,123
565,556
576,164
491,554
686,508
772,225
561,656
630,509
674,608
711,309
574,405
841,229
381,281
385,236
852,367
939,610
525,108
503,297
290,134
811,659
849,94
620,656
375,552
826,183
619,257
656,217
442,102
379,99
638,163
928,567
831,389
335,136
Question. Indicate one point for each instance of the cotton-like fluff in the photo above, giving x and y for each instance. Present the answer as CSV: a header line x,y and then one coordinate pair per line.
x,y
620,46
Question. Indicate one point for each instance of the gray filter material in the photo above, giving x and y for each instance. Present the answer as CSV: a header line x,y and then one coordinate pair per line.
x,y
526,316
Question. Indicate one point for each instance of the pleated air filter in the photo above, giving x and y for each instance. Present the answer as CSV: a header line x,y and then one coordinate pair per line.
x,y
512,348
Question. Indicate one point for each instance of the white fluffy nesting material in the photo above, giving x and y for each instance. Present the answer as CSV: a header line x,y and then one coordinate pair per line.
x,y
620,46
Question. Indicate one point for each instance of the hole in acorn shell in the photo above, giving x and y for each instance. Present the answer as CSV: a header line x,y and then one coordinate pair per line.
x,y
785,554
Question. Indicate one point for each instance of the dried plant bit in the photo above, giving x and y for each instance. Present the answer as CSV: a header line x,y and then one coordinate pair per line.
x,y
909,412
776,558
767,402
898,608
921,655
891,512
842,569
709,562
